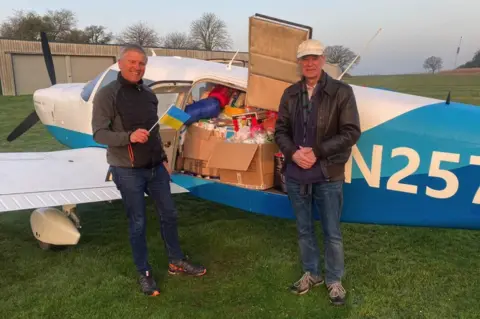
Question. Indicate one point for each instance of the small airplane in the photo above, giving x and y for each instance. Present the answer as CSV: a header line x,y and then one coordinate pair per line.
x,y
417,162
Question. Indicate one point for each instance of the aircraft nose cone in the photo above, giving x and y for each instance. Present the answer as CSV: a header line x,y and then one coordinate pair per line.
x,y
43,106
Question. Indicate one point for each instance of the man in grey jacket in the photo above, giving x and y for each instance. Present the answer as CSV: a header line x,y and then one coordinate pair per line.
x,y
123,112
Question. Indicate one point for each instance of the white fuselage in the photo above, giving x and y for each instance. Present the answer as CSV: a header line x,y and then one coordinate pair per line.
x,y
62,106
396,173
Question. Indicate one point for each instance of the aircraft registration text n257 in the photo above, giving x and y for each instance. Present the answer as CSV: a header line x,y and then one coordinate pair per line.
x,y
395,182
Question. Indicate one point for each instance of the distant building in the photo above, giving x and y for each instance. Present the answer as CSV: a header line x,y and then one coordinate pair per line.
x,y
22,66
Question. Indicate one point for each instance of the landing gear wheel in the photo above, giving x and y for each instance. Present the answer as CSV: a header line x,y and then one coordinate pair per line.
x,y
51,247
54,230
44,246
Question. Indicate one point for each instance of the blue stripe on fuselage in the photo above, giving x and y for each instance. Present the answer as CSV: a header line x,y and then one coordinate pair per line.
x,y
362,204
447,128
439,127
72,139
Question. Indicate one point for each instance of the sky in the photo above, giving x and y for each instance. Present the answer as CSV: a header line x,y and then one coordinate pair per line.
x,y
412,30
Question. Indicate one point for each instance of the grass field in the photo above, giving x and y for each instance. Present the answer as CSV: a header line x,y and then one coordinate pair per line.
x,y
464,88
392,272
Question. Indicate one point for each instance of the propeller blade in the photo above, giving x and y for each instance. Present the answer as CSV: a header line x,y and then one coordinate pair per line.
x,y
33,118
48,58
27,123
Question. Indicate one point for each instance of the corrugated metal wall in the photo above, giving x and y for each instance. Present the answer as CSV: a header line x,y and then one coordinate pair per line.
x,y
22,69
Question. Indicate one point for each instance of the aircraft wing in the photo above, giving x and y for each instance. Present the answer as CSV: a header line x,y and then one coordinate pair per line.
x,y
34,180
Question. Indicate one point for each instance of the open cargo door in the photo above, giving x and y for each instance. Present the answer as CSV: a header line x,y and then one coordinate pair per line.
x,y
272,59
272,65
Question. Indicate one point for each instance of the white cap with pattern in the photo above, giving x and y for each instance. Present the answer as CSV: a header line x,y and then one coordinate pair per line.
x,y
310,47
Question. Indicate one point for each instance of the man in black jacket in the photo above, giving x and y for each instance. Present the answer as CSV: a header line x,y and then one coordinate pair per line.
x,y
317,125
123,112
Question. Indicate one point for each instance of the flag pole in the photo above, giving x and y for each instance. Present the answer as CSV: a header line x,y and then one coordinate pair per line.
x,y
160,118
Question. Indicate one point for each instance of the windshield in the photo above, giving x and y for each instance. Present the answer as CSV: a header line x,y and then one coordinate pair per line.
x,y
88,88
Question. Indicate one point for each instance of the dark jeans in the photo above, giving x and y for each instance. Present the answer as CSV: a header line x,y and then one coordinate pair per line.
x,y
133,184
328,198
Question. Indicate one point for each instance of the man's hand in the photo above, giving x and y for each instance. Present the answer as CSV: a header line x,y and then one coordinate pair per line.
x,y
139,136
308,151
304,157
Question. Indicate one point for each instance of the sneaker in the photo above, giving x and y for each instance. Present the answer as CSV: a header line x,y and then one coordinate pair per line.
x,y
184,267
148,284
304,284
337,293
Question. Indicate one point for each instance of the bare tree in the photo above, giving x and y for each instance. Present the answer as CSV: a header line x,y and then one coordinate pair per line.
x,y
59,25
97,34
210,33
76,36
61,22
141,34
473,63
343,56
24,26
178,40
433,64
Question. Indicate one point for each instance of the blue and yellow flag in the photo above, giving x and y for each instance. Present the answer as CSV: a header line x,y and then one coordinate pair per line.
x,y
174,118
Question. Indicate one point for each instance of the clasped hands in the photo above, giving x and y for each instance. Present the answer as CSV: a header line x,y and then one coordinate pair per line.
x,y
304,157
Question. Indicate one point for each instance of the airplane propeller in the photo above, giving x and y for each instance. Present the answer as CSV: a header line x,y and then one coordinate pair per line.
x,y
47,55
33,118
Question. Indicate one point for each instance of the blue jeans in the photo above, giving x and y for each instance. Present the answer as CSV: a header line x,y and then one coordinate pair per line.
x,y
133,183
328,198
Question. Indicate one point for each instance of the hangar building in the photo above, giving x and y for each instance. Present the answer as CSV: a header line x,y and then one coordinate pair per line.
x,y
22,67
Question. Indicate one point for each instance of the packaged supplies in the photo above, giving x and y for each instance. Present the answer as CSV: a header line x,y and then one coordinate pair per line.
x,y
204,95
248,165
269,122
229,141
233,98
199,168
203,109
222,94
200,141
245,119
230,110
240,102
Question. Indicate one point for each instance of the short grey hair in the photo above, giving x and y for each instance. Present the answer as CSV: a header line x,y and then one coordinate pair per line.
x,y
132,47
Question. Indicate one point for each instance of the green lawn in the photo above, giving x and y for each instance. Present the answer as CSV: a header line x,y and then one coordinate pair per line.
x,y
464,88
392,272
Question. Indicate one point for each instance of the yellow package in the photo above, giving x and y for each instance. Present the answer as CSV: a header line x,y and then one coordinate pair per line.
x,y
230,110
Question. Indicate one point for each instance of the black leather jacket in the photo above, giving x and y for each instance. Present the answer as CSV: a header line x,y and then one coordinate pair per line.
x,y
338,124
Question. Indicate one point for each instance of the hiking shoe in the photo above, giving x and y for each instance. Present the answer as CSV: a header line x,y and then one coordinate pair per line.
x,y
184,267
337,293
148,284
306,282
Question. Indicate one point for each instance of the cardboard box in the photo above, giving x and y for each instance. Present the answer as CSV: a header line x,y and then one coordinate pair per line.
x,y
239,164
245,165
199,143
179,163
199,167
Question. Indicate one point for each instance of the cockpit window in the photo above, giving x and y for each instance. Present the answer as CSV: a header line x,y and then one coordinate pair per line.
x,y
88,88
109,77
